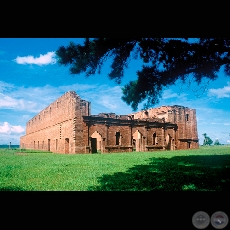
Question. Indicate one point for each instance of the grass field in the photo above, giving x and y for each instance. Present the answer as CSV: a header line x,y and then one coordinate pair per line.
x,y
203,169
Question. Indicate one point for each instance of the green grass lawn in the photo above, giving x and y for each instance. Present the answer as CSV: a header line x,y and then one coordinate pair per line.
x,y
203,169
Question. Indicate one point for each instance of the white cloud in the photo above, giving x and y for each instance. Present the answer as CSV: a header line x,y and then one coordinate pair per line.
x,y
77,87
7,128
168,93
220,123
103,98
31,100
5,86
45,59
6,101
9,102
106,99
26,117
7,138
221,92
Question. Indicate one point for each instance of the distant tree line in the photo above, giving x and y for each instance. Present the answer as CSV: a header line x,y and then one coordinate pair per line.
x,y
209,141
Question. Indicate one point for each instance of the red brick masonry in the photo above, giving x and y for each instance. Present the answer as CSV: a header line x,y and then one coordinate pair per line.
x,y
67,126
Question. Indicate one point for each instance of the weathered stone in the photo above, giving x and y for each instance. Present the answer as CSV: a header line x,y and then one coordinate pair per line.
x,y
67,126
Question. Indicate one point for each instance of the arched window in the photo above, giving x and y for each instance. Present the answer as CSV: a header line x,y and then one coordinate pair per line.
x,y
118,138
186,118
154,139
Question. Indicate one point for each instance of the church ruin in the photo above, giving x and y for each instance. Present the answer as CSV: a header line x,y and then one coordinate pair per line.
x,y
67,126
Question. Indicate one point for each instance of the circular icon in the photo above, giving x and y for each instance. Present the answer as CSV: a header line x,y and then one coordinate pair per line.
x,y
201,220
219,220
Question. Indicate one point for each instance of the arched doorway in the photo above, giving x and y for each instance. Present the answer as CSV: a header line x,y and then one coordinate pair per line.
x,y
48,144
154,139
138,140
66,145
168,142
134,144
96,142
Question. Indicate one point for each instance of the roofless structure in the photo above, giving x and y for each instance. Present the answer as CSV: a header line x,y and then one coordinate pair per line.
x,y
67,126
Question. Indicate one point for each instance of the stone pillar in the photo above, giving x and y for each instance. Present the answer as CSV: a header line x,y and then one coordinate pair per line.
x,y
174,140
163,137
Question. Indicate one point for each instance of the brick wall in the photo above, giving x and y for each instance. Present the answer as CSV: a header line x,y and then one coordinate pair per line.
x,y
185,118
58,127
67,126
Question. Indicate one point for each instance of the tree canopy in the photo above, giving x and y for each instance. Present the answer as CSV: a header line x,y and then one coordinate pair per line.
x,y
217,142
165,60
207,140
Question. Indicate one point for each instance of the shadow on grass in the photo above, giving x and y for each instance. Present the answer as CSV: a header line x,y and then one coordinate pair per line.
x,y
9,188
179,173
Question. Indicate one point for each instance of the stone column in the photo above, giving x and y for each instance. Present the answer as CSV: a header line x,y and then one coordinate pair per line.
x,y
163,137
174,141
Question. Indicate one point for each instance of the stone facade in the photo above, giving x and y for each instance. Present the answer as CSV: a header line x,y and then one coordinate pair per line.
x,y
67,126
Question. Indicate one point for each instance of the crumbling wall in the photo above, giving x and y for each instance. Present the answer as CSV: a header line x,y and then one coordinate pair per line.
x,y
161,112
67,126
58,127
185,118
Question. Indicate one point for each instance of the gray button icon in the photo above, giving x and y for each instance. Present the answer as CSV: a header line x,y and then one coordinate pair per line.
x,y
219,220
201,220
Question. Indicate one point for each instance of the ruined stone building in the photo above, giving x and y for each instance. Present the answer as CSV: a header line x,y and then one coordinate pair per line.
x,y
67,126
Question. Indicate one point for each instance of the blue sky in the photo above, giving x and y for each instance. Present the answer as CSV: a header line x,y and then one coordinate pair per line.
x,y
30,79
